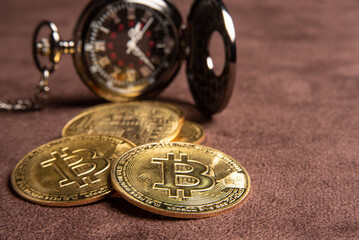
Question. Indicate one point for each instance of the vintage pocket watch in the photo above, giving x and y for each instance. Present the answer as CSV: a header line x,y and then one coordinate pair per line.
x,y
127,50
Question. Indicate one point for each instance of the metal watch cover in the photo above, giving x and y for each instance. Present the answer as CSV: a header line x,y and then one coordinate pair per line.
x,y
211,92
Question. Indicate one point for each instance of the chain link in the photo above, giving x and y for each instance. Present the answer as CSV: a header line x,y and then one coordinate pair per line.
x,y
52,48
38,100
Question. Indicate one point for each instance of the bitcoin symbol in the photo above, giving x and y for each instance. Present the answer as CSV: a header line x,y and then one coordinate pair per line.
x,y
183,175
79,167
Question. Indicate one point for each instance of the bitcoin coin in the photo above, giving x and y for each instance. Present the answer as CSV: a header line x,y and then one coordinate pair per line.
x,y
69,171
180,179
191,132
140,122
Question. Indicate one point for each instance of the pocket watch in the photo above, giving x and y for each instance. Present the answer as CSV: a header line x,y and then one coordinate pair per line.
x,y
127,50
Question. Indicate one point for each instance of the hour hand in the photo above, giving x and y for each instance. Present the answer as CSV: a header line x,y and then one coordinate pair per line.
x,y
135,32
131,45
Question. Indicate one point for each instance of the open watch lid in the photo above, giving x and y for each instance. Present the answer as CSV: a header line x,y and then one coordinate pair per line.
x,y
211,90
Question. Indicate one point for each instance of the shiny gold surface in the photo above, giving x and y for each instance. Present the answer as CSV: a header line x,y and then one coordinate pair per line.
x,y
140,122
191,132
180,179
69,171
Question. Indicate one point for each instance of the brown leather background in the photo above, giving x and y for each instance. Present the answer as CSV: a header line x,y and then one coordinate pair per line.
x,y
293,123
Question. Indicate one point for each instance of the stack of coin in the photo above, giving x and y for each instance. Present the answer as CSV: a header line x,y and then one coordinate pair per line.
x,y
140,122
98,157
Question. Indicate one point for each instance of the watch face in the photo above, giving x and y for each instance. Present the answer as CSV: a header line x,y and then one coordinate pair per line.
x,y
128,48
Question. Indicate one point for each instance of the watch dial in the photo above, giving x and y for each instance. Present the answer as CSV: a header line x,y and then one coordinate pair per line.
x,y
128,47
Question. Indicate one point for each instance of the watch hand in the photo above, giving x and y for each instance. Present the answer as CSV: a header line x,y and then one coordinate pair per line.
x,y
131,44
133,32
132,47
138,53
144,29
136,33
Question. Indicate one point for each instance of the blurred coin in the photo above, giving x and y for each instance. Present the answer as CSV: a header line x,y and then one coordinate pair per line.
x,y
180,179
69,171
191,132
140,122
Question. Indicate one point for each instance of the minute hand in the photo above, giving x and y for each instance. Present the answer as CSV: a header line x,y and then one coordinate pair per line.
x,y
144,29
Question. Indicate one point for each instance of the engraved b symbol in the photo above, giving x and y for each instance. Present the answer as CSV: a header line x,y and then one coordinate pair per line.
x,y
183,175
79,167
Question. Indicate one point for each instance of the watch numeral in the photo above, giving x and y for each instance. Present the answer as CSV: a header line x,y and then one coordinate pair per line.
x,y
156,60
98,26
146,71
113,14
104,61
146,16
131,13
99,46
93,69
160,45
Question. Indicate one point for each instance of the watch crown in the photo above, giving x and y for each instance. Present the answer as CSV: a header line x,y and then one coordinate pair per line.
x,y
67,47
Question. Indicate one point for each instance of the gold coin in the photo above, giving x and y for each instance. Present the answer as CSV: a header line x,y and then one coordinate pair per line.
x,y
180,179
69,171
140,122
191,132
